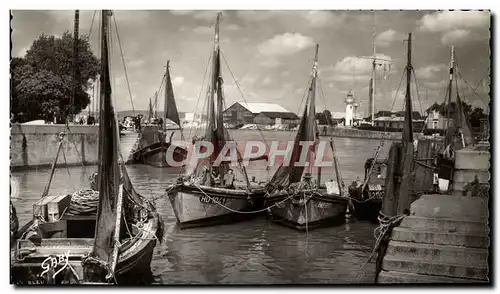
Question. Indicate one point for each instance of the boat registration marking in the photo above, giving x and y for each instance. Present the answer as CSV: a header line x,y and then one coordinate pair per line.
x,y
213,200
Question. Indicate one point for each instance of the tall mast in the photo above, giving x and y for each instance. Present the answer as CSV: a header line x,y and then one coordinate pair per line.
x,y
165,106
155,106
374,66
213,82
75,65
312,109
408,129
452,66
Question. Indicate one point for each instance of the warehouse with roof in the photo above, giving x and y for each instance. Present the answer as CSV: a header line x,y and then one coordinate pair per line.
x,y
240,113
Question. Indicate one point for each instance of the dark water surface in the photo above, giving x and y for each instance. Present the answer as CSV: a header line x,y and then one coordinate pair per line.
x,y
251,252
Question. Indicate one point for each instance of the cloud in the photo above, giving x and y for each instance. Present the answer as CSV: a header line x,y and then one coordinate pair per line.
x,y
385,38
353,68
354,64
456,26
269,63
181,12
200,30
177,81
135,63
454,37
445,21
232,27
267,81
286,44
430,71
208,15
312,19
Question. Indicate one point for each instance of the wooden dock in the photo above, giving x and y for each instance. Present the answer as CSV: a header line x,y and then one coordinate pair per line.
x,y
445,238
129,142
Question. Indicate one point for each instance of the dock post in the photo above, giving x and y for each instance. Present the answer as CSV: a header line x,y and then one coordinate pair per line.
x,y
390,200
405,189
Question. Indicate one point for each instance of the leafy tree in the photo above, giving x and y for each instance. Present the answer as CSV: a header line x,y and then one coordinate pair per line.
x,y
328,116
42,81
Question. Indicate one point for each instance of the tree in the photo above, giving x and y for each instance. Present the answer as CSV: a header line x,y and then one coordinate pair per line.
x,y
42,81
328,116
475,117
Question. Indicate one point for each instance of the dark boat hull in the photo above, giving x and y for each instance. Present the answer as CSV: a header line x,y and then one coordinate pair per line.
x,y
156,154
368,205
368,210
316,212
133,266
207,206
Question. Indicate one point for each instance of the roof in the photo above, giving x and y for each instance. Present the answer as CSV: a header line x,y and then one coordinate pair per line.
x,y
284,115
257,108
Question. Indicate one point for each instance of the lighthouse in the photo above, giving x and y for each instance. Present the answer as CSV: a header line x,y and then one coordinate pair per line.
x,y
350,107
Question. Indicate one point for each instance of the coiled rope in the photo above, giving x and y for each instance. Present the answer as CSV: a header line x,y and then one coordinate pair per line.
x,y
84,202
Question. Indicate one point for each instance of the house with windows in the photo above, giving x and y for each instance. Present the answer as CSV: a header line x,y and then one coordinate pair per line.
x,y
436,118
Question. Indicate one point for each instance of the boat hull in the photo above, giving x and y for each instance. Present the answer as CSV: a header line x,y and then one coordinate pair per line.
x,y
367,204
314,213
367,211
133,266
156,154
211,206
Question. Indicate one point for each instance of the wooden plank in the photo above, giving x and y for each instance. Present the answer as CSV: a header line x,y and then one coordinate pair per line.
x,y
405,188
424,175
389,203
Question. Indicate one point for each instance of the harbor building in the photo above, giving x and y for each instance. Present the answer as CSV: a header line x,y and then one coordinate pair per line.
x,y
240,113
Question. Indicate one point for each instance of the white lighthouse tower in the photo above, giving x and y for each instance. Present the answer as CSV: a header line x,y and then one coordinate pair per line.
x,y
349,110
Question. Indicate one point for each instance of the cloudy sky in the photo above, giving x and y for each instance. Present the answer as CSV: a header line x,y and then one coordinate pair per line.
x,y
270,53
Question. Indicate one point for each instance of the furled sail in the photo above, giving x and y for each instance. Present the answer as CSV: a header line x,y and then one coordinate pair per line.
x,y
170,106
307,132
150,111
108,167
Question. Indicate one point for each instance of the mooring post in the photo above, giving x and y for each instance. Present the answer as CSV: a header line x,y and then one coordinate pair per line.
x,y
390,200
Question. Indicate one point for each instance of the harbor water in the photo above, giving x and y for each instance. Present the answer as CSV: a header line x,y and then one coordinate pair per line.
x,y
251,252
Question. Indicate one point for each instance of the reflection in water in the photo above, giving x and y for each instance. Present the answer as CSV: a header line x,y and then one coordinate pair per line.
x,y
251,252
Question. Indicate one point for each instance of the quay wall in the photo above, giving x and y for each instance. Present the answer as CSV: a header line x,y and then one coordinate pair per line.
x,y
34,146
366,134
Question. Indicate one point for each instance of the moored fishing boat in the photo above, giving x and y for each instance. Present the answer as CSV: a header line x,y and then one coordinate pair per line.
x,y
367,198
213,192
91,237
156,150
296,199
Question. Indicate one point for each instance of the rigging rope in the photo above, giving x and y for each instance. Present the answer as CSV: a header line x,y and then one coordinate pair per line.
x,y
124,65
201,90
473,90
418,96
384,229
244,212
238,87
92,24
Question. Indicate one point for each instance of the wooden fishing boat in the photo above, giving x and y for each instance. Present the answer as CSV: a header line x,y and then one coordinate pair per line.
x,y
212,193
297,201
367,198
155,149
104,236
